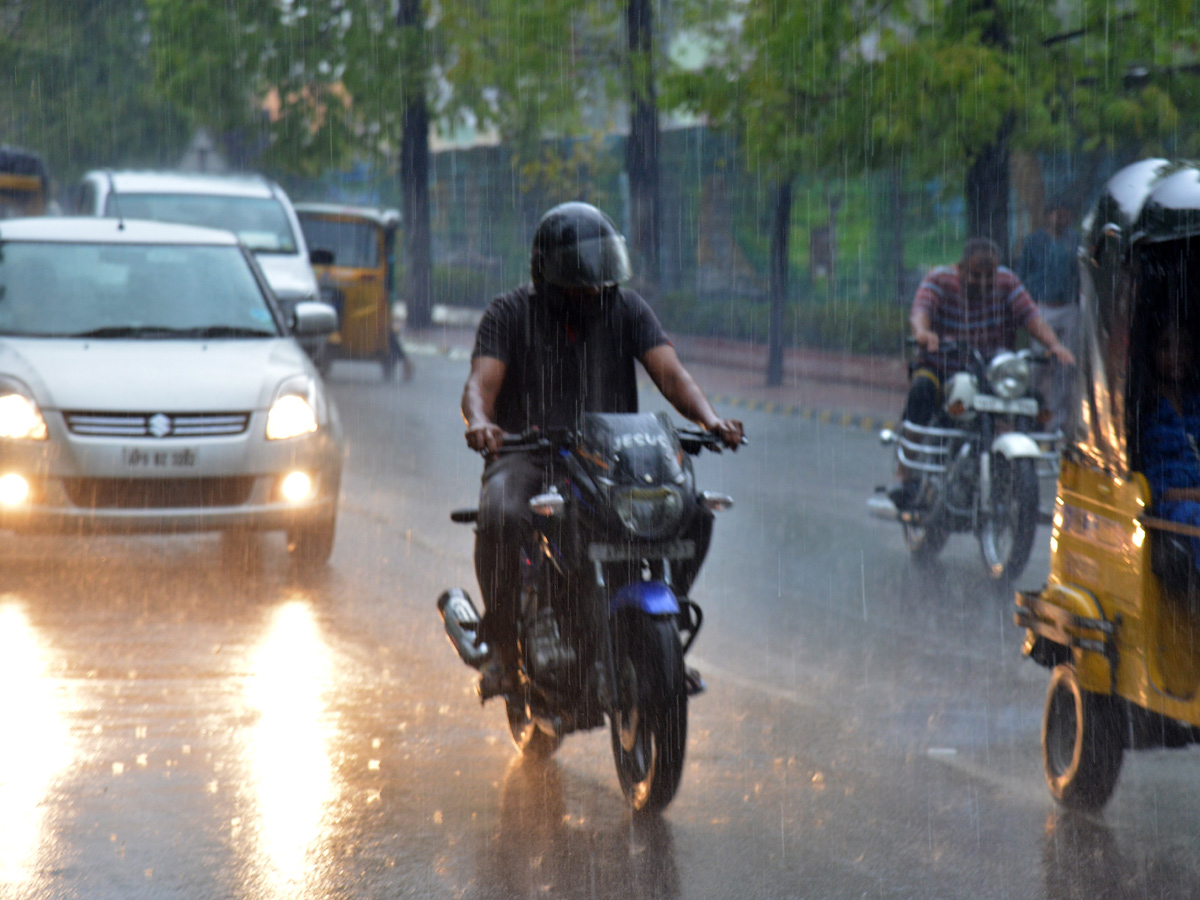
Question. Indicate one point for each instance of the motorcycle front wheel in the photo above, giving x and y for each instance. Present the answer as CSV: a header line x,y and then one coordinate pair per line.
x,y
649,726
1006,537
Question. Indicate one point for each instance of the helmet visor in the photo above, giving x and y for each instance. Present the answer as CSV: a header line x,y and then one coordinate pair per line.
x,y
596,262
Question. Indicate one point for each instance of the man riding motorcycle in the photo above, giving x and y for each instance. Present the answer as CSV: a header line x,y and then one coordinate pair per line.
x,y
976,304
544,353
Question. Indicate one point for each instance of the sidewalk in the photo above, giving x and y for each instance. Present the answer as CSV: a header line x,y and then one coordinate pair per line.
x,y
855,391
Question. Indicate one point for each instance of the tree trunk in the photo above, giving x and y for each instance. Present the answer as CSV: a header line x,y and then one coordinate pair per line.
x,y
414,185
987,189
641,153
777,286
987,181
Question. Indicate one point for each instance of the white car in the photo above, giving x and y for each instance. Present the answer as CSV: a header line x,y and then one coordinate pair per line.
x,y
150,383
254,208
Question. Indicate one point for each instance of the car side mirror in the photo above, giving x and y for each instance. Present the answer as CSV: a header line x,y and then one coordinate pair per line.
x,y
311,318
321,257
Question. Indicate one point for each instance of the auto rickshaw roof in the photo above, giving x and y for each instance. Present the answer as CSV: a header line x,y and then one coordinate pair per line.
x,y
1142,207
384,218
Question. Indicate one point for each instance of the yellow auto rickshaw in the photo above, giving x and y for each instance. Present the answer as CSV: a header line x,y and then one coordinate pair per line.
x,y
353,254
1118,622
24,184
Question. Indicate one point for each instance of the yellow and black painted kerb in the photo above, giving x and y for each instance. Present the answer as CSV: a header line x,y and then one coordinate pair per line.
x,y
807,413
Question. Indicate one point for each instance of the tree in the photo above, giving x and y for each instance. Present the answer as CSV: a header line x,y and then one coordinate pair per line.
x,y
79,85
641,151
777,74
956,83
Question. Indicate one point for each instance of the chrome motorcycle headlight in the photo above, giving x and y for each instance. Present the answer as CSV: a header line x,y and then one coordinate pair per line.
x,y
649,512
1008,375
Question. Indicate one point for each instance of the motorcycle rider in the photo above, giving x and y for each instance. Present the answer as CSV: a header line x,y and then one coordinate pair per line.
x,y
560,345
978,304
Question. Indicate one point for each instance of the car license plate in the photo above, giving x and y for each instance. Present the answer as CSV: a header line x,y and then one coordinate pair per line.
x,y
1020,406
157,458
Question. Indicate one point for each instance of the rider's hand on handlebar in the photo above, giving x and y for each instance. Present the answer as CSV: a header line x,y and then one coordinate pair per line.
x,y
927,341
1063,355
731,431
486,436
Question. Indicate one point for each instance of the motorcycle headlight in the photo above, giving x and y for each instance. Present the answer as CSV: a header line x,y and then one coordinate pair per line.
x,y
20,418
294,410
1008,375
649,512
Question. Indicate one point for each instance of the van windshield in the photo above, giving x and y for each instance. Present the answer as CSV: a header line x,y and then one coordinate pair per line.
x,y
260,222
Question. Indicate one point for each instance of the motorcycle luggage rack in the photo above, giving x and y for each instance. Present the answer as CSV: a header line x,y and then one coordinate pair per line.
x,y
916,454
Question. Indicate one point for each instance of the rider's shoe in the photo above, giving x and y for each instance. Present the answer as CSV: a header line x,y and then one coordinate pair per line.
x,y
903,494
499,674
694,681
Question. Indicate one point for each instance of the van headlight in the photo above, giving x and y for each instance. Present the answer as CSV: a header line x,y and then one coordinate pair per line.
x,y
20,418
1008,375
294,411
649,512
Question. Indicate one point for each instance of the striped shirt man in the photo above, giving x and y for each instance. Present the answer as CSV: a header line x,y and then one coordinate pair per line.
x,y
989,324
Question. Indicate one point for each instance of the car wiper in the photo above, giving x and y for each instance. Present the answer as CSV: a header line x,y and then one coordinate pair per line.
x,y
220,331
162,331
121,331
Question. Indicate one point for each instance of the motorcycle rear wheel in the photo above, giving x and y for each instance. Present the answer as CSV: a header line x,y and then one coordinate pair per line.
x,y
531,740
1006,538
649,730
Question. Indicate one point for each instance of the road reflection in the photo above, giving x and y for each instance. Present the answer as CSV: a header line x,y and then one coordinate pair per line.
x,y
547,849
35,745
291,773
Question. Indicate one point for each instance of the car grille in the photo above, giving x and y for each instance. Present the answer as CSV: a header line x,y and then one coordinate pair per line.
x,y
158,493
125,425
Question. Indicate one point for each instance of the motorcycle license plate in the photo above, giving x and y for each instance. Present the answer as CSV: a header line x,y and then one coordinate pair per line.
x,y
621,552
1020,406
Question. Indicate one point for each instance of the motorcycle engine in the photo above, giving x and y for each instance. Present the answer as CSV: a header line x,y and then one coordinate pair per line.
x,y
549,657
961,476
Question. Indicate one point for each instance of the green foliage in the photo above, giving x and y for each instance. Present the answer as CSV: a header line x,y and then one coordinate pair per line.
x,y
78,87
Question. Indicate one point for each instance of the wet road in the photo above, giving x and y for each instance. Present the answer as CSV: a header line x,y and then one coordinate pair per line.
x,y
186,718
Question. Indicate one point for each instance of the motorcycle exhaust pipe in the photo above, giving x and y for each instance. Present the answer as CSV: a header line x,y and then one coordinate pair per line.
x,y
461,621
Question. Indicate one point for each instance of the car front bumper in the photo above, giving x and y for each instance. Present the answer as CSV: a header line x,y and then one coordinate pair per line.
x,y
165,486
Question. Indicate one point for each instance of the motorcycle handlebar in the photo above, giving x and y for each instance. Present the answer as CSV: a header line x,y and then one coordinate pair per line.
x,y
692,440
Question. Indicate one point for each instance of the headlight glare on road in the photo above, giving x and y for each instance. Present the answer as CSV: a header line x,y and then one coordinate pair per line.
x,y
290,416
13,489
20,418
296,487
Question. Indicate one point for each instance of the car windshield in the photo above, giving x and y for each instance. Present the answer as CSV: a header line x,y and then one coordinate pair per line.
x,y
104,290
353,244
260,222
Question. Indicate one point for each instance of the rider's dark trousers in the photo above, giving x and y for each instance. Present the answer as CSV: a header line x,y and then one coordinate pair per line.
x,y
504,527
505,530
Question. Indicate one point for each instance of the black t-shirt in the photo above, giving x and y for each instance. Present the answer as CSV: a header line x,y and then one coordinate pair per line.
x,y
558,367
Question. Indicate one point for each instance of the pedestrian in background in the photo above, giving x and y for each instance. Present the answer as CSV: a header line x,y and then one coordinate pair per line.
x,y
1049,268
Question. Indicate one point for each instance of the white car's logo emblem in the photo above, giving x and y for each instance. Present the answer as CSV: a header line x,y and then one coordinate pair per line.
x,y
159,425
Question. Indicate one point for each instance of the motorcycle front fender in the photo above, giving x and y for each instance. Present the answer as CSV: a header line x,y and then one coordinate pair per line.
x,y
1014,445
654,598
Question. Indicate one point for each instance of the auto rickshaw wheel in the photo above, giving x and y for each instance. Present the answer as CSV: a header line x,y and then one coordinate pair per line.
x,y
1083,741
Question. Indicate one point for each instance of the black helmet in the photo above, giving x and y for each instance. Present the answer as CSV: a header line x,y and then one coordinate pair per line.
x,y
576,245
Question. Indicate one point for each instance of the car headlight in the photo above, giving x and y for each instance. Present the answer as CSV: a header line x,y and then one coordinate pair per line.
x,y
649,512
1008,375
295,410
20,418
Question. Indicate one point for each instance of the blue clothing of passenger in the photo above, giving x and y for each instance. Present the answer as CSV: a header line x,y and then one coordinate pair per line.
x,y
1171,459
